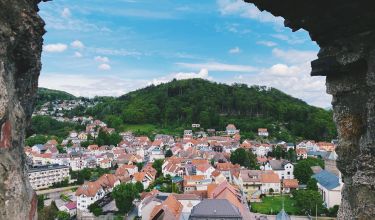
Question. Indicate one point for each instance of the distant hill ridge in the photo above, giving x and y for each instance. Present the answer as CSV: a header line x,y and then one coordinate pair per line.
x,y
180,103
46,95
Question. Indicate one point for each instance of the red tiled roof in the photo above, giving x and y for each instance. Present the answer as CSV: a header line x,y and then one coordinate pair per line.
x,y
171,206
290,183
269,177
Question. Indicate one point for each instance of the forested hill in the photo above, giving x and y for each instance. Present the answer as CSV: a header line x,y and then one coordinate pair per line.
x,y
45,95
180,103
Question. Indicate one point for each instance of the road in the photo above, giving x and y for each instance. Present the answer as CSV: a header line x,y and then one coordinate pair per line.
x,y
48,191
132,214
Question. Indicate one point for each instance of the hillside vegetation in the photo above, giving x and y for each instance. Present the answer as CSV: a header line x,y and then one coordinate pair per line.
x,y
180,103
46,95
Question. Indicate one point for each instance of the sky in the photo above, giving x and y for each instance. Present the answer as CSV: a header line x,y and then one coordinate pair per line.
x,y
108,48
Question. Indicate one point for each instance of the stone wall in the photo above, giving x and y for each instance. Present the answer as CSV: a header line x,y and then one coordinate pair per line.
x,y
345,32
21,31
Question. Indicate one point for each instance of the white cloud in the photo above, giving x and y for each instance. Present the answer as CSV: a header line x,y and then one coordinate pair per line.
x,y
77,54
290,39
66,13
267,43
56,22
294,56
104,66
55,48
234,50
202,74
90,86
215,66
77,44
246,10
101,59
116,52
294,80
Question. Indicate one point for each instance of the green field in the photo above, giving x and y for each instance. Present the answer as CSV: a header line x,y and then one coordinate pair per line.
x,y
273,204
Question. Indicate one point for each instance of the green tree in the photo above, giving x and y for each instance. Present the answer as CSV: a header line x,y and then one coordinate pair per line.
x,y
95,209
157,164
48,212
168,153
113,121
308,200
244,158
271,191
124,195
139,186
46,125
312,184
37,139
104,138
139,166
332,212
278,152
303,172
291,155
61,215
40,202
85,144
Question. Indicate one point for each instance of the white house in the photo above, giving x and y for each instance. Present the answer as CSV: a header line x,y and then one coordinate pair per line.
x,y
330,186
205,170
231,129
41,177
263,132
270,180
283,168
261,151
91,192
71,208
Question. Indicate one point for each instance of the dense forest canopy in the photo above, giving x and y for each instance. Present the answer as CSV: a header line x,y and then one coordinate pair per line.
x,y
180,103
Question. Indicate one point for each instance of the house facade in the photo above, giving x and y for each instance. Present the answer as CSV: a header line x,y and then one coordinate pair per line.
x,y
283,168
42,177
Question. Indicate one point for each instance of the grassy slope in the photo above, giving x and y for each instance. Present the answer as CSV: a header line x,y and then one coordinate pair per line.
x,y
274,204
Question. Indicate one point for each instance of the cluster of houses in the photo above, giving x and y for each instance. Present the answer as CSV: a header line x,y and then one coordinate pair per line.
x,y
199,166
58,108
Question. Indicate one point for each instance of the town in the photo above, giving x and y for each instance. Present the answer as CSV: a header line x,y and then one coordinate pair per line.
x,y
202,174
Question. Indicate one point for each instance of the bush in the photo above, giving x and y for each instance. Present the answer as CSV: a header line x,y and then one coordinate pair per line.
x,y
271,191
61,215
332,212
95,209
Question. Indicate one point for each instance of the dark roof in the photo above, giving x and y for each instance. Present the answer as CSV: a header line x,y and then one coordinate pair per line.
x,y
327,179
46,167
323,154
278,164
162,197
218,208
